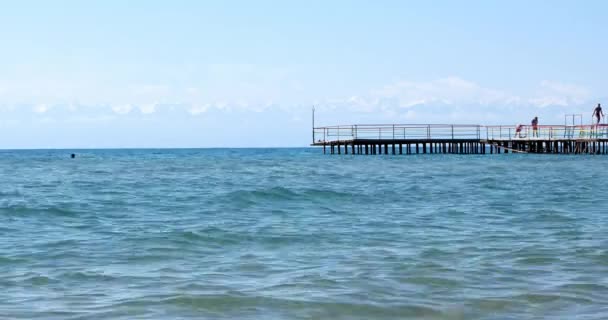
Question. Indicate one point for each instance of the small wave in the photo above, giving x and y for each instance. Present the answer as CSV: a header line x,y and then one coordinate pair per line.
x,y
5,230
142,258
276,193
328,194
440,282
207,235
555,216
24,210
28,279
8,261
585,287
434,253
600,258
248,198
165,243
493,304
10,193
69,243
315,309
538,260
219,238
86,276
542,298
39,280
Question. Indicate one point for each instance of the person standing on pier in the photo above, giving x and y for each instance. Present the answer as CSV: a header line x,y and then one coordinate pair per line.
x,y
597,112
518,131
535,127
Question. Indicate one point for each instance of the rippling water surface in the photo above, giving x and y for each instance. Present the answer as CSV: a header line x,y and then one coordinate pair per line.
x,y
294,234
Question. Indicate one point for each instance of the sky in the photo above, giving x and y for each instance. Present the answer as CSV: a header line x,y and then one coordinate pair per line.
x,y
163,74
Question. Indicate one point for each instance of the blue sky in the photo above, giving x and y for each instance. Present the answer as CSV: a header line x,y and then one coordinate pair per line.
x,y
246,73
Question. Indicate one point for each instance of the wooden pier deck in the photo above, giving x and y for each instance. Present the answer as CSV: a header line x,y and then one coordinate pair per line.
x,y
461,139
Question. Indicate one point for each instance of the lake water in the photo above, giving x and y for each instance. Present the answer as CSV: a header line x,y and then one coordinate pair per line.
x,y
295,234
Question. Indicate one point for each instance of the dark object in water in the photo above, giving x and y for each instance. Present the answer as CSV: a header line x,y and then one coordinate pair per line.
x,y
73,156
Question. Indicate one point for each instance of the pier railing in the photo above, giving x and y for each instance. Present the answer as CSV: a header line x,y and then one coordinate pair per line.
x,y
430,132
546,132
397,132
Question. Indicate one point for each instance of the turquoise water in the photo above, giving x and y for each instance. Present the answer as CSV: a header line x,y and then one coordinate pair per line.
x,y
295,234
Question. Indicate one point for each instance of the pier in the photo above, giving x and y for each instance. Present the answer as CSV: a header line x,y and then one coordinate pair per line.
x,y
374,139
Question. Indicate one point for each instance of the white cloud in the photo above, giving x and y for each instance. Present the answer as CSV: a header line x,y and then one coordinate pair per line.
x,y
456,100
553,93
454,93
41,108
447,91
122,109
148,108
449,99
89,119
198,109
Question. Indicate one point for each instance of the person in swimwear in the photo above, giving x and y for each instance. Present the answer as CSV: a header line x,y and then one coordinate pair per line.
x,y
535,127
518,131
597,112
